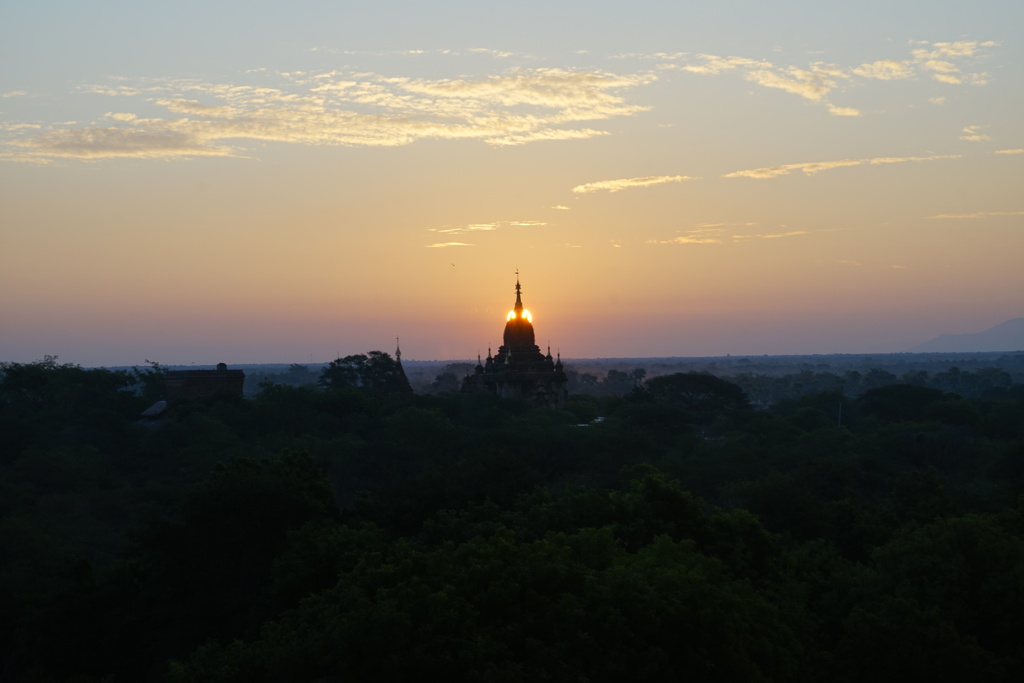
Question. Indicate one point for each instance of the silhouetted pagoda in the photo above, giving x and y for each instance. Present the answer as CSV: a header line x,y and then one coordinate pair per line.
x,y
519,370
400,381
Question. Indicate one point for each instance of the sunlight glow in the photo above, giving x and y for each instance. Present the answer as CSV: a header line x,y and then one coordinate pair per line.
x,y
526,315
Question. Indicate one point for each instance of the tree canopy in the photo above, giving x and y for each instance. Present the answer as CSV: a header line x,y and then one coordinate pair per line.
x,y
697,391
375,370
338,531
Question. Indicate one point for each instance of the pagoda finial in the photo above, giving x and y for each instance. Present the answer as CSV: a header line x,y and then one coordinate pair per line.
x,y
398,351
519,300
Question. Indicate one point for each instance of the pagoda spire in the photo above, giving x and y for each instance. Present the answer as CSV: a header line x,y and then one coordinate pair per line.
x,y
519,301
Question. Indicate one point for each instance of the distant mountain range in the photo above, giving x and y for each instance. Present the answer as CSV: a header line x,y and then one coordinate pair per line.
x,y
1008,336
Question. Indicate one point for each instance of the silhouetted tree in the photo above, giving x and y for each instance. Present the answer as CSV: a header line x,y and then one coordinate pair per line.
x,y
375,370
698,391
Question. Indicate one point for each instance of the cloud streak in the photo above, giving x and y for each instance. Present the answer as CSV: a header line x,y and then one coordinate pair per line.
x,y
704,234
770,236
710,233
475,227
979,214
487,227
688,239
628,183
974,134
814,167
151,142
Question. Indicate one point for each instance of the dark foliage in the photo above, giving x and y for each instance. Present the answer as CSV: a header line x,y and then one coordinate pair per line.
x,y
698,392
350,532
375,371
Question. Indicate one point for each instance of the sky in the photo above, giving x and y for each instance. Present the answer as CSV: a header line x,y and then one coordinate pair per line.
x,y
268,182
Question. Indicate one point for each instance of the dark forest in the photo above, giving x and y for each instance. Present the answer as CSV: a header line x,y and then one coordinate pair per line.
x,y
688,526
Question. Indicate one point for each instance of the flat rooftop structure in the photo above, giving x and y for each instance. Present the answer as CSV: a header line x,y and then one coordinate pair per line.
x,y
203,383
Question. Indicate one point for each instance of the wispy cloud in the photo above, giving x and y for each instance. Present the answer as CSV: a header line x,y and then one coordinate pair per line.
x,y
886,70
688,239
111,90
17,127
979,214
486,227
813,167
714,65
352,109
770,236
498,54
629,183
843,111
1009,151
711,233
974,134
546,135
811,84
477,227
705,234
815,82
442,245
940,60
559,207
150,142
176,118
